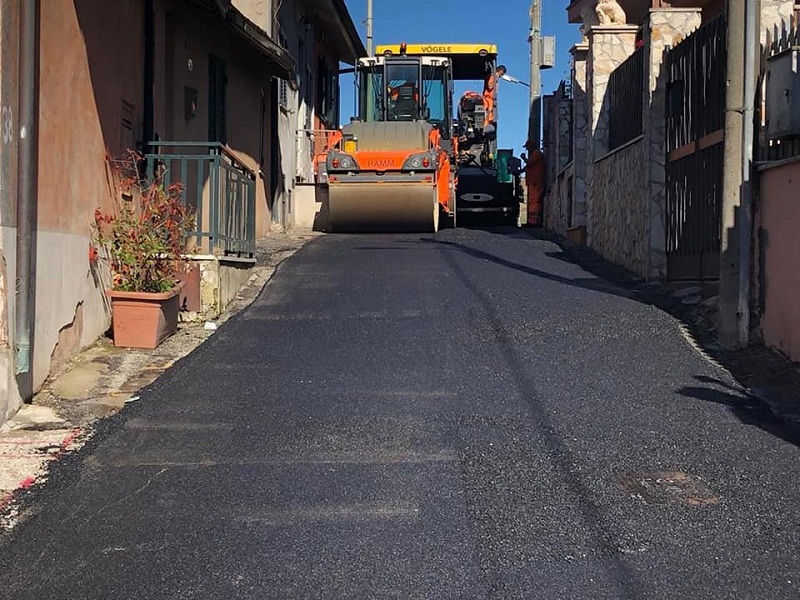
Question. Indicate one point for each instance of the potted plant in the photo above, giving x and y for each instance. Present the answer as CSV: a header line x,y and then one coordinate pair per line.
x,y
143,242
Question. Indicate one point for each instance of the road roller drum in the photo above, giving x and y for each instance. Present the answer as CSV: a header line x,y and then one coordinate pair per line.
x,y
362,207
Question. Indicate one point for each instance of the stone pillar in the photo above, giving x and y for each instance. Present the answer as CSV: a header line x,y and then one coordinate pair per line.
x,y
664,28
609,46
580,133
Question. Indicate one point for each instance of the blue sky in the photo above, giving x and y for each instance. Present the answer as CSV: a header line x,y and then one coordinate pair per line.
x,y
502,22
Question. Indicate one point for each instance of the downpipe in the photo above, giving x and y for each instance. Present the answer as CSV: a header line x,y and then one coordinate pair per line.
x,y
27,196
751,39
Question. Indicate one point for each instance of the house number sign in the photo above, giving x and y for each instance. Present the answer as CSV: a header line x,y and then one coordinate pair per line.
x,y
7,124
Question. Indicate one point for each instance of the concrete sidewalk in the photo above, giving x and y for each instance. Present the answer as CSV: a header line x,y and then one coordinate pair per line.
x,y
101,380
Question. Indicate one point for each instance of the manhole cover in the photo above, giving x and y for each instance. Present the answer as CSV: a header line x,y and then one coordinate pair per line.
x,y
668,487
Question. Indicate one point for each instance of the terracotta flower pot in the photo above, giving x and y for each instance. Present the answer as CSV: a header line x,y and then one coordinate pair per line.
x,y
143,319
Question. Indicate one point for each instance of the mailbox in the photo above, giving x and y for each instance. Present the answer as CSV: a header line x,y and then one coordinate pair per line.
x,y
783,94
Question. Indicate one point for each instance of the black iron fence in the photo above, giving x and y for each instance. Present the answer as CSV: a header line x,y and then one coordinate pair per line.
x,y
695,117
626,87
217,186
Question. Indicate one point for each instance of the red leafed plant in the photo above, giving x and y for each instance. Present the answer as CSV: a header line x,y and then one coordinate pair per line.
x,y
145,238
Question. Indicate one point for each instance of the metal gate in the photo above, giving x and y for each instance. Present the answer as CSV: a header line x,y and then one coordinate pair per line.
x,y
695,119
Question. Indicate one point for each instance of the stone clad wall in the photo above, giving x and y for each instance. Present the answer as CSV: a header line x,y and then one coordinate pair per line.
x,y
620,217
609,47
557,202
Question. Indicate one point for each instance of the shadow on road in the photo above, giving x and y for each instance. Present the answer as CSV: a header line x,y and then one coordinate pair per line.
x,y
748,408
589,283
773,400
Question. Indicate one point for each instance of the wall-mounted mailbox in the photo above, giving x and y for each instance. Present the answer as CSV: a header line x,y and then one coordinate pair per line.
x,y
783,94
547,53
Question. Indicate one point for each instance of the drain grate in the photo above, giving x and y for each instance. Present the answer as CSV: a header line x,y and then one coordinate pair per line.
x,y
668,487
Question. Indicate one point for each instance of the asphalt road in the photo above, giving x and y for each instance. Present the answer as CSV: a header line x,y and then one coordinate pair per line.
x,y
465,415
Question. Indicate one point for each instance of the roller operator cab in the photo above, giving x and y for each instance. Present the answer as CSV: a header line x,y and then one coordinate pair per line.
x,y
390,169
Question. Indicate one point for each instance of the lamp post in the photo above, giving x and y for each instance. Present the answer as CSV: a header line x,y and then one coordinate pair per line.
x,y
535,115
369,27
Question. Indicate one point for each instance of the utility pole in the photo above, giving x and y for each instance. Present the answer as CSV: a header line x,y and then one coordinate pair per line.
x,y
535,38
369,27
735,246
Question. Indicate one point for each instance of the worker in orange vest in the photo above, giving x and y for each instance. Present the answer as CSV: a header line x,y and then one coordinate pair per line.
x,y
534,182
490,92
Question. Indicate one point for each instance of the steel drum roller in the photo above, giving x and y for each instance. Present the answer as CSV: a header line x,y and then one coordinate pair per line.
x,y
382,208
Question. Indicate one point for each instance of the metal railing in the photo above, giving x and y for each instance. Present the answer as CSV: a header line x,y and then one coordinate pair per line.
x,y
782,43
626,100
217,186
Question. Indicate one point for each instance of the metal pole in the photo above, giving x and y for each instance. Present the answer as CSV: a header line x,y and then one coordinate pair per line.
x,y
27,195
535,116
369,27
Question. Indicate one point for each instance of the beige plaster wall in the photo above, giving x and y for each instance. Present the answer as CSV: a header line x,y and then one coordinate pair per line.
x,y
779,217
191,36
9,39
259,12
90,104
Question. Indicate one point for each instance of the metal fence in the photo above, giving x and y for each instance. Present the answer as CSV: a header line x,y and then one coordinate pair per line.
x,y
782,46
626,100
217,186
695,72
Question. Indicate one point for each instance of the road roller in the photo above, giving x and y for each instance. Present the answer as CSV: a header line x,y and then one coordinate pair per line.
x,y
396,166
391,168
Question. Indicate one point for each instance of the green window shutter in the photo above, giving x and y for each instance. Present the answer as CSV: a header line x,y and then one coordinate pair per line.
x,y
217,83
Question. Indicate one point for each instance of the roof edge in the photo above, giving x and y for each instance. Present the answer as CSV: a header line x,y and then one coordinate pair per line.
x,y
251,32
356,44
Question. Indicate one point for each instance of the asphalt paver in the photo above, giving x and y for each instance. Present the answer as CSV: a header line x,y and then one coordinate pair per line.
x,y
460,415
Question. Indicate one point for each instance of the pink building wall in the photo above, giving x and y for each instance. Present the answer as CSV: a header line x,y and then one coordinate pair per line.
x,y
778,219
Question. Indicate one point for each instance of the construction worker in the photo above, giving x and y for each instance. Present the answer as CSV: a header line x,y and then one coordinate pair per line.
x,y
490,92
534,182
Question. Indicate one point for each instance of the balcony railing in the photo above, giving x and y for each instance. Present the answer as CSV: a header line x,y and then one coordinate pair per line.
x,y
217,186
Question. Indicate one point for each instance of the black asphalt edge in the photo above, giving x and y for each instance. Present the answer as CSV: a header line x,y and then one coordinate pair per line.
x,y
747,367
59,474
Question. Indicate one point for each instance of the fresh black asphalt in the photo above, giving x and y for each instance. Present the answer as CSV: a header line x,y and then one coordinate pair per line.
x,y
461,415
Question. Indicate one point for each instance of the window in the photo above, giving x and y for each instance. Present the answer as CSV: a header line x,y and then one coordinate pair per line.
x,y
217,83
371,94
283,85
327,94
434,95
